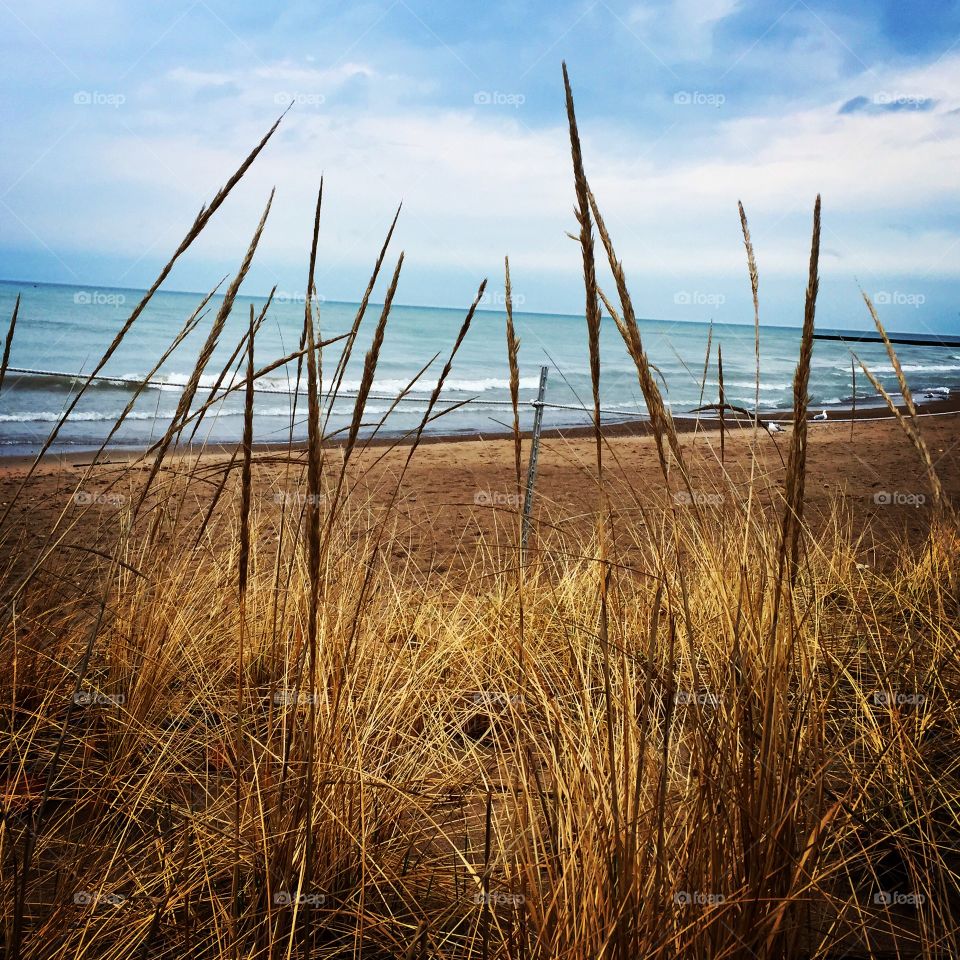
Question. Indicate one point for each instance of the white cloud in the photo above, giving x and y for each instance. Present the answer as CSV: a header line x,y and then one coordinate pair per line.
x,y
681,30
478,183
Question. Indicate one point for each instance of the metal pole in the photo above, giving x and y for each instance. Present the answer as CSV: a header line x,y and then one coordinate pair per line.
x,y
534,453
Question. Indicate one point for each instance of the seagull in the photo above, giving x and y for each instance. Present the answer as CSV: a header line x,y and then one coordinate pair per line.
x,y
822,415
774,428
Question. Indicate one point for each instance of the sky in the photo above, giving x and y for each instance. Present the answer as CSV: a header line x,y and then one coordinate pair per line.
x,y
122,119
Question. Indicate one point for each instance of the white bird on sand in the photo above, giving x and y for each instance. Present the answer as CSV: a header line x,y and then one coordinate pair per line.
x,y
774,427
822,415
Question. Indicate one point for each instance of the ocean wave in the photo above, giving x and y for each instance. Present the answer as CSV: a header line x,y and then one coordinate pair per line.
x,y
917,368
392,385
175,382
85,416
751,385
748,402
96,416
452,385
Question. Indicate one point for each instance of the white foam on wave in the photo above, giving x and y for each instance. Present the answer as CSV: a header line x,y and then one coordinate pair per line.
x,y
751,385
392,385
453,385
749,401
94,416
917,368
87,416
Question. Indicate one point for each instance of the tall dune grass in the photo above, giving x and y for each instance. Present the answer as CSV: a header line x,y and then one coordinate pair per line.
x,y
241,730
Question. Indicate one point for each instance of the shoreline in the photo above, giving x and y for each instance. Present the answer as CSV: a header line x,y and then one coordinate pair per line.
x,y
638,427
460,494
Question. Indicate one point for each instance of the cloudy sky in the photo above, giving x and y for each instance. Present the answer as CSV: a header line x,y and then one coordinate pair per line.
x,y
122,118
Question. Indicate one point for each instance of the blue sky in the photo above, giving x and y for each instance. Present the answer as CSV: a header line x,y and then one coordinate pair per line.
x,y
122,119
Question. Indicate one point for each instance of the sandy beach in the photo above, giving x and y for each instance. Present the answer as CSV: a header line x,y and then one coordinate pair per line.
x,y
458,495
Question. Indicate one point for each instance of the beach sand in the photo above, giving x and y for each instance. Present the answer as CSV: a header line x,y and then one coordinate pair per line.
x,y
457,494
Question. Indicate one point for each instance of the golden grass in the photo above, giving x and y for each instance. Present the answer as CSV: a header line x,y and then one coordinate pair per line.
x,y
781,796
241,731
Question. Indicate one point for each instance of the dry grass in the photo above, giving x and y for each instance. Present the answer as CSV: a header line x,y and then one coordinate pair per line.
x,y
242,732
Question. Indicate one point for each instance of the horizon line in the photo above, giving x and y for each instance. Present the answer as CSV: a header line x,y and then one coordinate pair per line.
x,y
423,306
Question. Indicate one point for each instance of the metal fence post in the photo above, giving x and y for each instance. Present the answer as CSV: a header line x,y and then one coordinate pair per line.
x,y
534,453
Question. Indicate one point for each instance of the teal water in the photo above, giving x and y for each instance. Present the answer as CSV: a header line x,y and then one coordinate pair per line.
x,y
68,328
